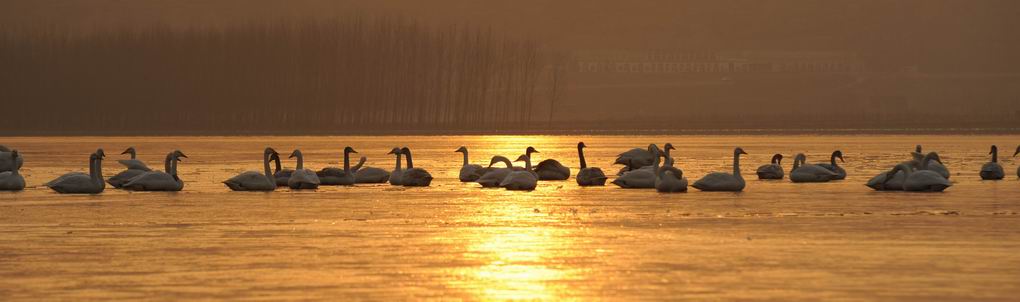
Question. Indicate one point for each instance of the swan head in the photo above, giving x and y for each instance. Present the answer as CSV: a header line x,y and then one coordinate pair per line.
x,y
917,149
668,146
294,154
348,149
405,150
1017,151
129,150
275,156
582,145
777,159
739,151
931,156
462,149
100,153
396,150
179,154
269,151
531,150
838,154
799,159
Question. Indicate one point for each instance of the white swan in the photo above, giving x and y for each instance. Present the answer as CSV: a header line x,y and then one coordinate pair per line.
x,y
12,180
588,176
992,170
302,178
636,158
370,175
80,183
330,176
525,180
549,169
397,176
719,181
281,175
835,168
255,181
495,176
804,172
118,181
641,178
157,180
922,180
773,170
8,163
414,177
670,180
133,163
468,172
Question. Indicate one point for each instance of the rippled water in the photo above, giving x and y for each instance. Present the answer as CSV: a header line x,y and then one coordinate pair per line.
x,y
776,241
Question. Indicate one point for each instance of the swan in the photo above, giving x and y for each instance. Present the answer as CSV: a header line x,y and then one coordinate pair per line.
x,y
255,181
81,183
1014,155
933,163
641,178
921,180
670,180
302,178
370,175
281,175
118,181
992,170
774,170
835,168
936,166
495,176
396,177
804,172
525,180
636,158
12,180
917,155
468,172
588,176
720,181
549,169
339,177
159,181
414,177
133,163
667,159
8,163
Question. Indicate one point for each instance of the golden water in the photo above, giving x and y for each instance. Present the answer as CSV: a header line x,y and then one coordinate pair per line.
x,y
775,241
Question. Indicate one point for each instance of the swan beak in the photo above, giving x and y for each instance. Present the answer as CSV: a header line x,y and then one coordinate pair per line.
x,y
126,151
352,151
841,159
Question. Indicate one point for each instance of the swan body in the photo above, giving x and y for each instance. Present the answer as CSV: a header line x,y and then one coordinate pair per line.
x,y
549,169
80,183
888,181
774,170
301,178
636,158
525,180
803,172
670,180
993,170
253,180
397,176
159,181
340,177
469,172
8,163
921,180
133,163
719,181
371,175
279,174
12,180
588,176
495,176
640,178
414,177
835,168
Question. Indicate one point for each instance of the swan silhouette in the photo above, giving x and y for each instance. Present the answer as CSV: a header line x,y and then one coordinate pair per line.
x,y
720,181
936,166
640,178
414,177
670,180
468,172
773,170
81,183
12,180
157,180
992,170
370,175
588,176
525,180
253,180
133,163
339,177
397,176
835,168
301,178
804,172
118,181
549,169
495,176
921,180
636,158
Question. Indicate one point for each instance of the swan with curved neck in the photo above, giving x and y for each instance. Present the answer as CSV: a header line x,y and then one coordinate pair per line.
x,y
588,176
920,180
280,174
157,180
80,183
339,177
549,169
253,180
495,176
397,175
133,163
642,178
414,177
12,180
120,179
670,180
804,172
525,180
834,167
719,181
993,170
468,172
636,158
302,179
773,170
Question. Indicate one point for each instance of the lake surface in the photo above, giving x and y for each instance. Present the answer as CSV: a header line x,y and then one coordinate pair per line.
x,y
775,241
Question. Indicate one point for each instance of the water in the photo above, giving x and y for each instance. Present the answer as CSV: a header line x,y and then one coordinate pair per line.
x,y
775,241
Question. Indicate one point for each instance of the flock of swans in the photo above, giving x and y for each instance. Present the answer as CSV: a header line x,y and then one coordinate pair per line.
x,y
643,168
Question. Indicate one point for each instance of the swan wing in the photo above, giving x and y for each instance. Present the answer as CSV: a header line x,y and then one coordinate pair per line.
x,y
470,173
552,169
719,181
591,176
371,175
250,181
134,164
123,177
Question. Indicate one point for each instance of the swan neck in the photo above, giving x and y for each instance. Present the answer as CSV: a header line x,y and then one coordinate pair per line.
x,y
736,164
465,157
300,162
995,155
265,164
133,154
410,163
527,163
278,165
832,160
398,161
347,162
173,166
657,160
580,154
166,163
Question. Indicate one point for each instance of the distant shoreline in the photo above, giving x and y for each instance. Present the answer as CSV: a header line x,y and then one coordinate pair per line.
x,y
903,131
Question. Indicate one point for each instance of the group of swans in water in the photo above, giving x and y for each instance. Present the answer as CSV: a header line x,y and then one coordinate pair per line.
x,y
644,168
